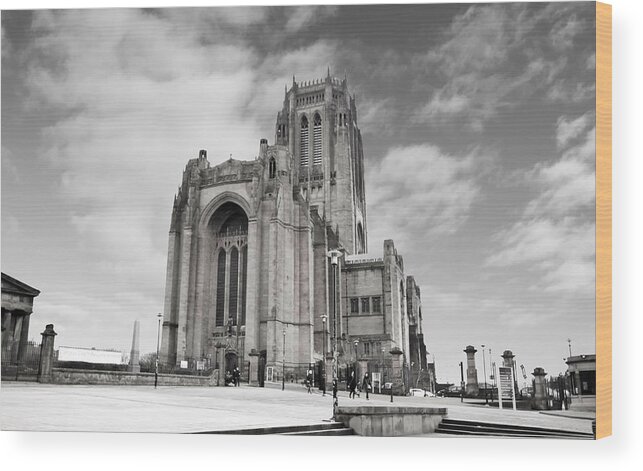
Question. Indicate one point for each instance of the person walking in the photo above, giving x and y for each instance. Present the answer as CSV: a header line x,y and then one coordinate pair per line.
x,y
352,385
237,376
366,384
309,381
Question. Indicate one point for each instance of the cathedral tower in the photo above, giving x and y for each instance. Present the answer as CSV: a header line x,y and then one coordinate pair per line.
x,y
318,125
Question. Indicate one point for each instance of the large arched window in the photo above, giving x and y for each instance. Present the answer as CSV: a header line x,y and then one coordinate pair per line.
x,y
220,292
303,144
360,239
244,282
317,140
272,167
234,285
229,226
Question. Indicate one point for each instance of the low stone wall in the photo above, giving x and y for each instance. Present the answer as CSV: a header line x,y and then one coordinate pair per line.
x,y
75,376
390,421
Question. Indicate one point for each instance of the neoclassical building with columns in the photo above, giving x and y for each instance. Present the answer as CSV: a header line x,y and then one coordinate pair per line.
x,y
249,280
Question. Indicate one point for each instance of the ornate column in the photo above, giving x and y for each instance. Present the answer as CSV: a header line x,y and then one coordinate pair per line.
x,y
471,388
539,401
46,354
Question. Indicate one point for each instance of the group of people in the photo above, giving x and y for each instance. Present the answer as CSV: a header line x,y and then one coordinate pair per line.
x,y
353,389
233,378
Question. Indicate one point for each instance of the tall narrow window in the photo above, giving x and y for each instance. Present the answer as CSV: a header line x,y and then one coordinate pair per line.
x,y
317,140
272,167
303,149
234,285
354,306
220,303
244,282
376,302
365,306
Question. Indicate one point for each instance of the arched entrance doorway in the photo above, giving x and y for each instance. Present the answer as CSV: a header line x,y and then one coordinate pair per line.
x,y
231,361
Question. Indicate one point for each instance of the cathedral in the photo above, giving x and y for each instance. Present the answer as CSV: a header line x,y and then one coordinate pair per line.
x,y
269,268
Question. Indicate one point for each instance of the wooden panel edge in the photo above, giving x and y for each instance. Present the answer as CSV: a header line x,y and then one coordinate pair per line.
x,y
603,220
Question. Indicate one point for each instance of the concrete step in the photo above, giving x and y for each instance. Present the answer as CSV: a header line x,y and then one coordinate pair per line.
x,y
464,427
321,433
490,431
283,429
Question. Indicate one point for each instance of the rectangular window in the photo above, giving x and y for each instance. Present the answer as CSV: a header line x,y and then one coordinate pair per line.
x,y
365,305
377,304
367,348
354,306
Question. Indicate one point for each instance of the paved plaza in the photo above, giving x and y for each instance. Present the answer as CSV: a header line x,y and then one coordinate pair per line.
x,y
183,409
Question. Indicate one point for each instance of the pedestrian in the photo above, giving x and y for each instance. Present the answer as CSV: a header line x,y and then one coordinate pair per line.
x,y
236,376
366,384
323,383
309,381
352,385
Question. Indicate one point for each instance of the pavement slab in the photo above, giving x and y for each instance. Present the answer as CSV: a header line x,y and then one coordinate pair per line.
x,y
186,409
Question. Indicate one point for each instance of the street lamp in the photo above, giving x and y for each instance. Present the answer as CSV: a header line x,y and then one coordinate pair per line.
x,y
158,344
283,363
324,318
356,343
484,367
334,260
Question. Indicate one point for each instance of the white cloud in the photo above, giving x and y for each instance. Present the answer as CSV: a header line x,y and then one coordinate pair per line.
x,y
420,190
569,129
555,238
491,58
559,253
304,15
568,91
564,32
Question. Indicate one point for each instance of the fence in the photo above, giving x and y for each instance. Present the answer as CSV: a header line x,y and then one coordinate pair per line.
x,y
20,364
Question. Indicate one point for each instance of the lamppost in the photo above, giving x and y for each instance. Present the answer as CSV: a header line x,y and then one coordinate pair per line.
x,y
334,260
491,375
158,344
484,367
355,343
461,383
324,318
283,363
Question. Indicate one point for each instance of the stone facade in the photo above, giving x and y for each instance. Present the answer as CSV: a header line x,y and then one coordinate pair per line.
x,y
249,283
17,307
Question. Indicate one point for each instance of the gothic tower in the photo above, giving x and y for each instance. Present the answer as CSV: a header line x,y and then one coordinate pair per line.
x,y
318,125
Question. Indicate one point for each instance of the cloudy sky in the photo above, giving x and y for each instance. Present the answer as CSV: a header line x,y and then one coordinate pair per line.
x,y
478,129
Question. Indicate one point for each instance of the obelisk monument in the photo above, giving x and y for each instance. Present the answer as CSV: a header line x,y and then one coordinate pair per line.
x,y
471,388
134,366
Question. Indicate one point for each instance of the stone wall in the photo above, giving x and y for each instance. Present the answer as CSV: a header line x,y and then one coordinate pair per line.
x,y
75,376
391,421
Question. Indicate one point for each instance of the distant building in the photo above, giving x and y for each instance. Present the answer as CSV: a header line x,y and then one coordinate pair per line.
x,y
249,282
17,307
581,370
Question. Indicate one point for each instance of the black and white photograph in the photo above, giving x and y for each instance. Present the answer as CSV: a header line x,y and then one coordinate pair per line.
x,y
318,220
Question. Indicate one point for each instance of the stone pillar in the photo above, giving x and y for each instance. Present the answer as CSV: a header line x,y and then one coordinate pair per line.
x,y
24,338
184,291
471,389
397,375
134,366
539,401
508,362
7,333
46,354
253,373
17,332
